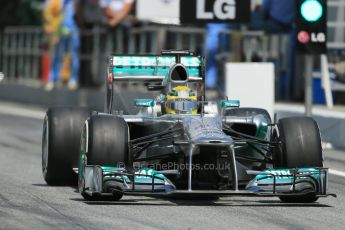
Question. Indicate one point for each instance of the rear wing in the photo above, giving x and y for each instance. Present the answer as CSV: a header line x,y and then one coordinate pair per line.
x,y
148,69
153,67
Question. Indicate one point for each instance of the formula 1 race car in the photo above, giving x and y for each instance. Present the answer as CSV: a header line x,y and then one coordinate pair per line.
x,y
173,142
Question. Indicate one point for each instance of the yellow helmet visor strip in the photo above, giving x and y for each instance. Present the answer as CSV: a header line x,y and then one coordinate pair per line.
x,y
180,93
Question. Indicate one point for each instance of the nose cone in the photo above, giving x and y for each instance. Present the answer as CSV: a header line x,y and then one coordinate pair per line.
x,y
206,131
213,140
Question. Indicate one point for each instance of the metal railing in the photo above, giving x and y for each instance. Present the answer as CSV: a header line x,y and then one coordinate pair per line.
x,y
21,52
22,48
336,24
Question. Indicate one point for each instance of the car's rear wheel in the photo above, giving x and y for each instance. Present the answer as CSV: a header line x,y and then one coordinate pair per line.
x,y
107,145
300,147
60,144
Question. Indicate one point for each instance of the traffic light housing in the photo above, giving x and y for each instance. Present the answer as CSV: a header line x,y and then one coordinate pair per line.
x,y
311,23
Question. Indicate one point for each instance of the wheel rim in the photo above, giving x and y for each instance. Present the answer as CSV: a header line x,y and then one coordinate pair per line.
x,y
45,147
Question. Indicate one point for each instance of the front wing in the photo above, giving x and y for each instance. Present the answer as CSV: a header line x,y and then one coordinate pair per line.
x,y
269,183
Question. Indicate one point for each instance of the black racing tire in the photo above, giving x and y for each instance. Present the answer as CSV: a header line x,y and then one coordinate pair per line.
x,y
89,197
114,188
107,145
245,111
110,187
300,144
300,148
60,144
108,141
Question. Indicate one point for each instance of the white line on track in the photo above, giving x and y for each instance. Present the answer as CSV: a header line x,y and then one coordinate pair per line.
x,y
336,172
16,110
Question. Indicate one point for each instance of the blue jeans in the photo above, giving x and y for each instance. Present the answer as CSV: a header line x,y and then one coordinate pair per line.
x,y
66,44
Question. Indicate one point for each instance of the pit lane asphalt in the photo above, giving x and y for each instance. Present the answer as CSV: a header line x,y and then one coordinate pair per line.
x,y
26,202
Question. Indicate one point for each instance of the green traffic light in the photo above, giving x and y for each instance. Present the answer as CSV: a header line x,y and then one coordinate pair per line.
x,y
311,10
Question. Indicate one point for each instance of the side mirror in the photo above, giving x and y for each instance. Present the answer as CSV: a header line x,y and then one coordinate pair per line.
x,y
155,87
144,103
226,104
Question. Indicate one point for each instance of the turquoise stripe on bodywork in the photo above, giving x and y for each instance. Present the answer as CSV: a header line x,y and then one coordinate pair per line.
x,y
152,65
148,71
141,178
154,61
284,175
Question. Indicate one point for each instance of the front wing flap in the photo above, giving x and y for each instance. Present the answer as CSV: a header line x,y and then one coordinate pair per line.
x,y
269,183
289,181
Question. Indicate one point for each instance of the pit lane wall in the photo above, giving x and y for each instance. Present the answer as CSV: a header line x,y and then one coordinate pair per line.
x,y
32,95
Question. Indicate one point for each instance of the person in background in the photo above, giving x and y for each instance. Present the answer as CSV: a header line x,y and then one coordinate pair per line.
x,y
278,16
117,13
274,16
91,20
72,44
65,65
52,15
116,10
98,17
89,14
212,45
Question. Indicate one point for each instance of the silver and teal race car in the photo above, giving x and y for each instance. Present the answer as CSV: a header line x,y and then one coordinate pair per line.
x,y
159,136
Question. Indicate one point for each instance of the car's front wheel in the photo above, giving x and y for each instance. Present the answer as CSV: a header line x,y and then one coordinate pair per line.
x,y
300,147
105,140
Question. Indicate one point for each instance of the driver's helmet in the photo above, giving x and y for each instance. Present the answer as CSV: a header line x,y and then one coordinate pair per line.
x,y
181,100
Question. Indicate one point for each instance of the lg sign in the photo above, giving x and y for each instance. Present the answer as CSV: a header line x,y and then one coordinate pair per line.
x,y
304,37
318,37
222,9
311,26
204,11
